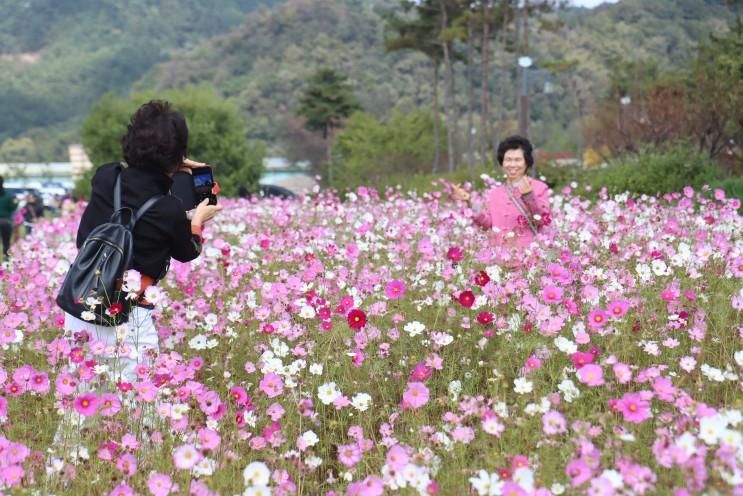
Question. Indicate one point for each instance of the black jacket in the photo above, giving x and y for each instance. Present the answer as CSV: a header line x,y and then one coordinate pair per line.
x,y
163,232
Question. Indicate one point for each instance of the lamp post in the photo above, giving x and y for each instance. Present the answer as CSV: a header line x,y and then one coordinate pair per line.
x,y
524,63
624,101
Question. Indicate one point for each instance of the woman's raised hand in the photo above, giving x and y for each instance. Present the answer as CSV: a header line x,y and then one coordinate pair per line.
x,y
459,194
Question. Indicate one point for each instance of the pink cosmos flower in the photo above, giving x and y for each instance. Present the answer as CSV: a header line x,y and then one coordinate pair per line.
x,y
39,383
109,404
415,396
622,372
618,308
591,374
553,423
397,457
533,363
663,387
349,454
510,488
208,439
463,434
86,404
395,289
271,385
185,457
597,318
370,486
552,294
580,359
12,475
578,471
161,485
239,395
420,372
634,408
127,464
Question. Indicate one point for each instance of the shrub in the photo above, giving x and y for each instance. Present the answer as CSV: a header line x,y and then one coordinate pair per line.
x,y
656,170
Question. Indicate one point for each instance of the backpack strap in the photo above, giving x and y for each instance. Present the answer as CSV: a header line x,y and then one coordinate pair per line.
x,y
144,208
117,192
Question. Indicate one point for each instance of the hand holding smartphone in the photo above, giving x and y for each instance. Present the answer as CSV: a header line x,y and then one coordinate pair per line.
x,y
193,184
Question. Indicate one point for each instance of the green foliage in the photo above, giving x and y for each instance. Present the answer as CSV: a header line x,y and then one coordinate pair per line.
x,y
370,151
217,134
733,187
327,101
59,58
654,170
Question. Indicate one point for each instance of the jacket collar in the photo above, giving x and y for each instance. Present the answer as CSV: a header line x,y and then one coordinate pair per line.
x,y
159,179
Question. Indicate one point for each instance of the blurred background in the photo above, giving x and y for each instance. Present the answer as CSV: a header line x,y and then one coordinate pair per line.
x,y
639,95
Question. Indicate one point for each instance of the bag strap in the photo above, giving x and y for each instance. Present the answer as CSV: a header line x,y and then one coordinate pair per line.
x,y
144,208
522,209
117,192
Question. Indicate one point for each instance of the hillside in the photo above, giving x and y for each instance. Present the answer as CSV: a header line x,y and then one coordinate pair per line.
x,y
264,62
58,57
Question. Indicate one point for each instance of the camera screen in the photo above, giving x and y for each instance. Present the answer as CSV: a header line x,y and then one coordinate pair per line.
x,y
202,180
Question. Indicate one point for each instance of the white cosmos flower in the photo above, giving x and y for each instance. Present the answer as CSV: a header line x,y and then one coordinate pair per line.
x,y
197,342
522,385
310,438
712,427
487,484
327,393
316,369
256,474
414,328
257,491
361,401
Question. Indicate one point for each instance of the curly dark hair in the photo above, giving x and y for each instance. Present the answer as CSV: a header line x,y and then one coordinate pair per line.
x,y
156,138
516,142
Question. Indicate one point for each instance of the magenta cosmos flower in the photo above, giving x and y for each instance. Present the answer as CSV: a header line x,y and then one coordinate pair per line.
x,y
597,318
86,404
395,289
551,294
356,319
634,408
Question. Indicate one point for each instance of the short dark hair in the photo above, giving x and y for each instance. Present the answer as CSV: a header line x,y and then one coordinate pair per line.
x,y
516,142
156,138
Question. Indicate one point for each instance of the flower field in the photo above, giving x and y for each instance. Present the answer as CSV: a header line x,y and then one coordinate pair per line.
x,y
382,346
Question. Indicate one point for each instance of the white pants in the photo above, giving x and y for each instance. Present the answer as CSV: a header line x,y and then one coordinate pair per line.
x,y
141,335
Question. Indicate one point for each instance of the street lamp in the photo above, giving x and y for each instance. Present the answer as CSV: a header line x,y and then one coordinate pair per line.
x,y
524,63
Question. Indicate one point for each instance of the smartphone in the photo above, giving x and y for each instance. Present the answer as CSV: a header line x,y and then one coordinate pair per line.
x,y
203,184
193,188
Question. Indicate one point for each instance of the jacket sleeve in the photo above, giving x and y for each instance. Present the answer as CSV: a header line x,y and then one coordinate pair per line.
x,y
186,244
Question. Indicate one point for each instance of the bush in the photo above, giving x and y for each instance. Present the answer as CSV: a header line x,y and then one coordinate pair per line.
x,y
368,151
217,134
656,170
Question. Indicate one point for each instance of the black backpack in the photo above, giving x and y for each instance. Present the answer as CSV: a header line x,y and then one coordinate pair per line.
x,y
99,267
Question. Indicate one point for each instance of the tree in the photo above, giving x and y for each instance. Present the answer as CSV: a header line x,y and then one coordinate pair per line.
x,y
217,134
370,152
325,103
419,34
714,82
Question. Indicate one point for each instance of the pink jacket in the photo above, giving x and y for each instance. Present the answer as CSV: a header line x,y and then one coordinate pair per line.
x,y
502,216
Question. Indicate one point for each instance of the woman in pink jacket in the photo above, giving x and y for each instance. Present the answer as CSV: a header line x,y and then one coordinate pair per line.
x,y
519,208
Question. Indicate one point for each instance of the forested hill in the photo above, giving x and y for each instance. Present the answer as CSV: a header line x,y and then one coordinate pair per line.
x,y
265,61
57,57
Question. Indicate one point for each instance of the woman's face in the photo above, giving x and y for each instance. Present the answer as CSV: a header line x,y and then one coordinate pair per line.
x,y
514,164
